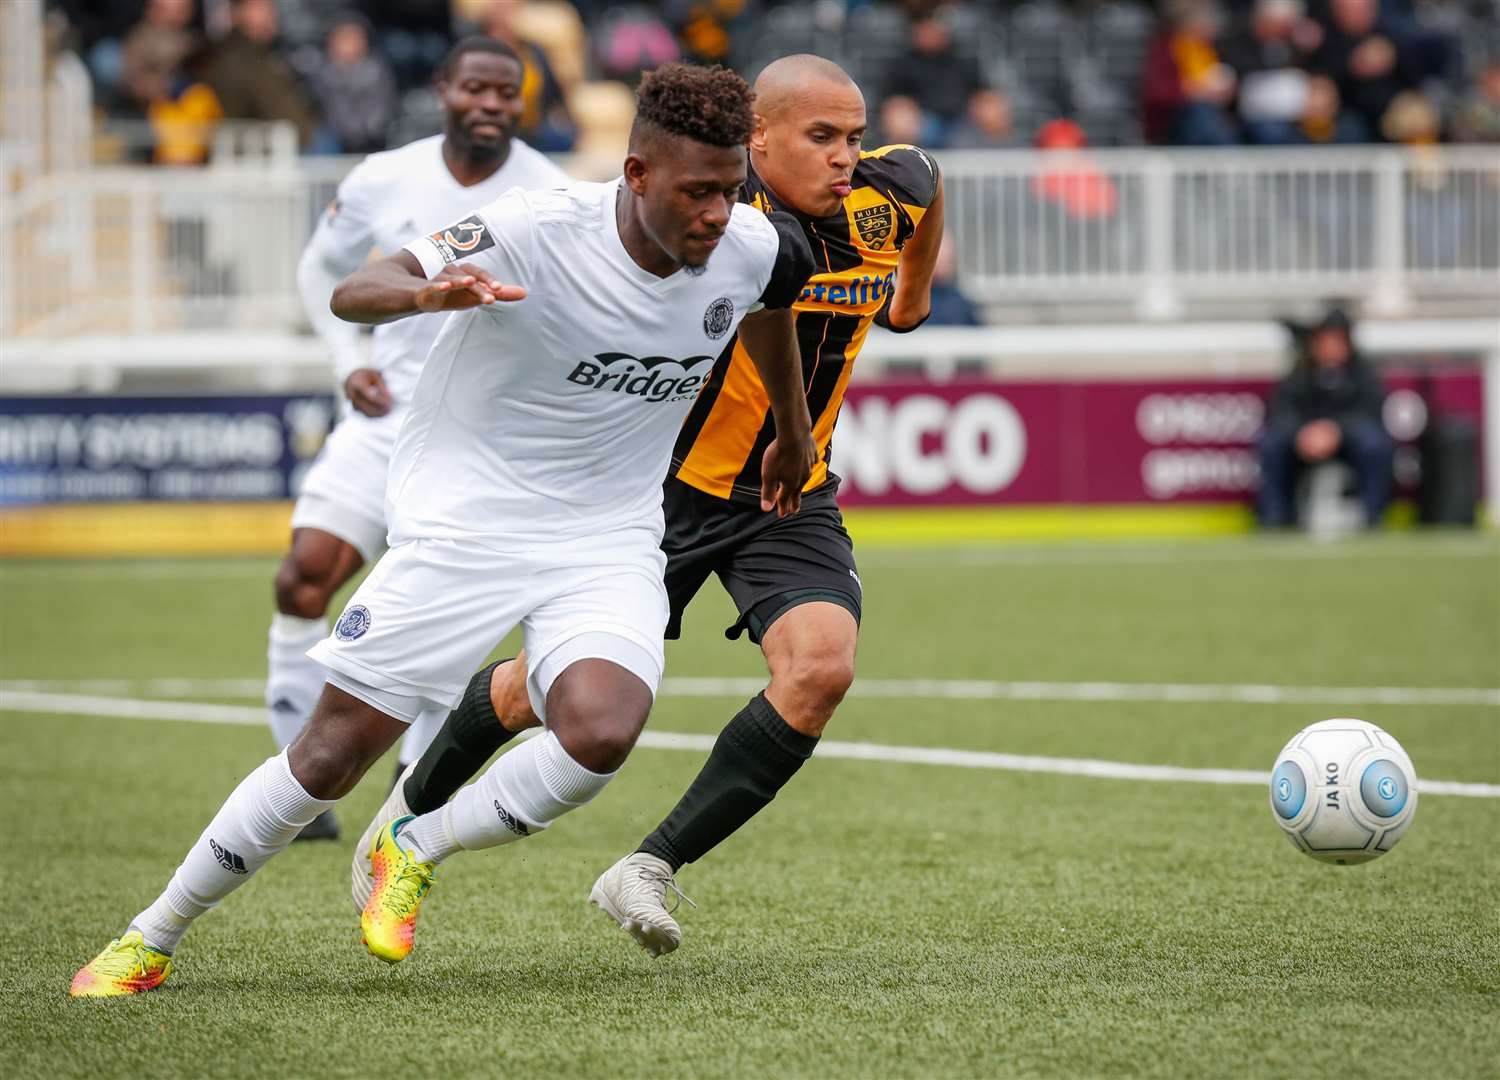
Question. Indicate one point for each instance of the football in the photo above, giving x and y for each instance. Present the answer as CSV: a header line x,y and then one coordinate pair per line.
x,y
1343,791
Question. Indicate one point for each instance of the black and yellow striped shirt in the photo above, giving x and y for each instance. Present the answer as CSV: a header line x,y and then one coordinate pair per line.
x,y
855,251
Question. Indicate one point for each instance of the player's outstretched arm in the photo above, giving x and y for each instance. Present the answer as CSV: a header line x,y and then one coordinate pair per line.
x,y
770,337
912,300
395,288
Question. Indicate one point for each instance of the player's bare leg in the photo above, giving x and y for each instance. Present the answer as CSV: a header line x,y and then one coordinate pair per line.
x,y
495,707
810,651
595,710
260,818
316,566
342,740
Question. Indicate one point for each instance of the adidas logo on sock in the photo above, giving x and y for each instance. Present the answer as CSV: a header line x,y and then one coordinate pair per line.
x,y
228,859
510,821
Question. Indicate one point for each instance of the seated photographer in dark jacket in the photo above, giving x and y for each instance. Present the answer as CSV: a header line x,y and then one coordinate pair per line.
x,y
1327,409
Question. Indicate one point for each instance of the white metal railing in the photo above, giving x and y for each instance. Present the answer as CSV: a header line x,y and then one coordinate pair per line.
x,y
1158,233
220,143
1162,230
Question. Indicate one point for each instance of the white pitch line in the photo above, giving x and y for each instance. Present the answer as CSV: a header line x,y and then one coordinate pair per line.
x,y
140,569
192,712
942,689
1256,693
249,689
1196,693
1106,553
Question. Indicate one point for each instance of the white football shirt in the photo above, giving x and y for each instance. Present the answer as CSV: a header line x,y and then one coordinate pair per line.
x,y
388,200
553,418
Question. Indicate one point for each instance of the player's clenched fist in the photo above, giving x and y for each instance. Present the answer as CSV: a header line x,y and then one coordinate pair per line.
x,y
464,285
367,392
784,471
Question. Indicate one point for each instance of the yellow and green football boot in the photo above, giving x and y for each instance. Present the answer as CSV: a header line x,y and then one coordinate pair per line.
x,y
126,966
389,920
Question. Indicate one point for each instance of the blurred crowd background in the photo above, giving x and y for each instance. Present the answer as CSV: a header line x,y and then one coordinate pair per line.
x,y
355,75
1150,213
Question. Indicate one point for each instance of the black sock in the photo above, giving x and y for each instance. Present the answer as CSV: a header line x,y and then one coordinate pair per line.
x,y
468,738
754,756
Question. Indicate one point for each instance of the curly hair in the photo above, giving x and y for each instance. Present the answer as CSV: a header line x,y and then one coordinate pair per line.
x,y
706,104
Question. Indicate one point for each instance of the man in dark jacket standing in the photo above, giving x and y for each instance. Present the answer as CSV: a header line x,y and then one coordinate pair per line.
x,y
1327,408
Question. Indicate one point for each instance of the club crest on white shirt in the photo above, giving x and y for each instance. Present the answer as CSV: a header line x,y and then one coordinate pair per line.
x,y
718,318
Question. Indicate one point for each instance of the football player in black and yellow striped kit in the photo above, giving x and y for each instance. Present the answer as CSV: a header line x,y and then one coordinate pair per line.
x,y
874,221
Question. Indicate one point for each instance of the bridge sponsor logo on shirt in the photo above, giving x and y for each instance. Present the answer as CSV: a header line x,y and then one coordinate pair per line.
x,y
654,378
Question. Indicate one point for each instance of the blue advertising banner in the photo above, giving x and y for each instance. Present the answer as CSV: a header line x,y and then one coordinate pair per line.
x,y
157,449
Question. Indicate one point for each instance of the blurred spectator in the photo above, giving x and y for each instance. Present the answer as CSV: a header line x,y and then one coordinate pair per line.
x,y
1432,191
632,41
706,29
1324,120
1268,56
557,28
1411,119
356,91
987,124
937,78
950,307
1186,88
100,22
1478,118
104,29
1328,408
1072,180
180,110
414,35
545,121
252,80
915,9
1371,58
900,120
1072,212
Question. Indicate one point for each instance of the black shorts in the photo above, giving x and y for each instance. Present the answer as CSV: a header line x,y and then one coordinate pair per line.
x,y
768,564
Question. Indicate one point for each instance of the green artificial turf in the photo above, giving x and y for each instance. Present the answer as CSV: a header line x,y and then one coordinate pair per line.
x,y
879,919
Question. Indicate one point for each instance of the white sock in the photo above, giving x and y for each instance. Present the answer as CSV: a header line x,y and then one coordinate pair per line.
x,y
419,735
259,818
427,837
523,792
293,680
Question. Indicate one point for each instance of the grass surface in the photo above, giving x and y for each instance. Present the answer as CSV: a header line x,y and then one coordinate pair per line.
x,y
877,919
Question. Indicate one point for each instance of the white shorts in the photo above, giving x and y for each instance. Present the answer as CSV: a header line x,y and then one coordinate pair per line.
x,y
431,611
343,492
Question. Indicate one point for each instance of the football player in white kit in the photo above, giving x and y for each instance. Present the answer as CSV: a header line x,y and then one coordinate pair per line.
x,y
525,489
388,200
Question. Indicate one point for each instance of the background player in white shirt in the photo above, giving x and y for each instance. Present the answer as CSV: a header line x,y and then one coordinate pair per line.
x,y
387,201
525,489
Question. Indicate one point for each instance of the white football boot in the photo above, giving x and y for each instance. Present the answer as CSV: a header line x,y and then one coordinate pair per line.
x,y
362,878
633,892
